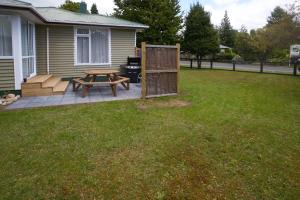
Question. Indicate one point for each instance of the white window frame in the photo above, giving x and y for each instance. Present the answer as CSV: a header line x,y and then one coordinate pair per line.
x,y
12,50
34,50
90,46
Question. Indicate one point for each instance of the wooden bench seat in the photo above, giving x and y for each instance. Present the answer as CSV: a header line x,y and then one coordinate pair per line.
x,y
86,85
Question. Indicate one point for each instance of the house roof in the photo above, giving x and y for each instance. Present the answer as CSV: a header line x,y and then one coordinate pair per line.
x,y
61,16
224,47
14,3
56,15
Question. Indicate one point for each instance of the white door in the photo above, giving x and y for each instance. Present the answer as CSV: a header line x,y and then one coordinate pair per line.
x,y
28,49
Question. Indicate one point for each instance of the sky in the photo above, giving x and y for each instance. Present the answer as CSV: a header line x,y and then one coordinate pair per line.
x,y
250,13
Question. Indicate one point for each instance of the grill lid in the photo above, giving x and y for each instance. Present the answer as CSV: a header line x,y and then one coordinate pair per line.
x,y
133,61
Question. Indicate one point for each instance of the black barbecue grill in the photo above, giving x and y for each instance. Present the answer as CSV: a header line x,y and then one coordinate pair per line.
x,y
133,69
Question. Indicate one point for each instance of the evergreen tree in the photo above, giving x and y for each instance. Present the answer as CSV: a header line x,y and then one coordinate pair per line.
x,y
162,16
200,37
226,32
94,9
252,32
71,6
276,16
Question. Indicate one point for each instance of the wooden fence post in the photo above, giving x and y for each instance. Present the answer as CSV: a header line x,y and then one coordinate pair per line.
x,y
233,65
261,67
178,66
199,63
144,86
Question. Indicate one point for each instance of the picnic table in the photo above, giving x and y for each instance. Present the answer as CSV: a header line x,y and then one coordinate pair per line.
x,y
90,80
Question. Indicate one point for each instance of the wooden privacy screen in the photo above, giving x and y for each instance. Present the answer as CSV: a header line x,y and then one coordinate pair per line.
x,y
160,70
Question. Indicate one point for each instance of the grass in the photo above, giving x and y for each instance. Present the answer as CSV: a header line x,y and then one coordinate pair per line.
x,y
229,135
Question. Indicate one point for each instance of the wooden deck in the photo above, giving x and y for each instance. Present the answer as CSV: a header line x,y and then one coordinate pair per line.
x,y
44,85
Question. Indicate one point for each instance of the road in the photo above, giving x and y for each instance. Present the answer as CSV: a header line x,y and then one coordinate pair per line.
x,y
244,67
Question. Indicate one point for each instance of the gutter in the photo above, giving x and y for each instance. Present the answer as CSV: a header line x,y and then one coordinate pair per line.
x,y
93,24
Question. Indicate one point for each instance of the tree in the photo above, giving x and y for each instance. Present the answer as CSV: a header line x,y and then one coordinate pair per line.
x,y
252,32
94,9
243,29
200,37
273,41
71,6
244,45
284,33
162,16
293,10
276,16
75,6
262,45
226,32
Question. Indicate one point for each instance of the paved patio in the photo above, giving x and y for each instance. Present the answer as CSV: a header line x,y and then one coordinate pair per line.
x,y
96,94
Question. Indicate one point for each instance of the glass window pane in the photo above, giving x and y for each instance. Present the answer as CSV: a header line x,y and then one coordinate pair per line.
x,y
82,31
28,66
5,36
100,47
82,50
27,38
24,30
31,65
30,39
25,67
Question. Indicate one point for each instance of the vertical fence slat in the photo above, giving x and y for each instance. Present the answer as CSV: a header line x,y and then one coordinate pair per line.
x,y
233,65
295,69
144,82
178,65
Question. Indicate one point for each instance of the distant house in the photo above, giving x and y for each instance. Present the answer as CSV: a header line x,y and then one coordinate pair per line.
x,y
223,48
47,40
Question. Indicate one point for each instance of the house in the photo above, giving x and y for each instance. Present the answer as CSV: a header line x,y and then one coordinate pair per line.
x,y
48,40
224,49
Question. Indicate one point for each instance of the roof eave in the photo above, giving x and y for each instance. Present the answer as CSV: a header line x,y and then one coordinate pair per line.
x,y
97,24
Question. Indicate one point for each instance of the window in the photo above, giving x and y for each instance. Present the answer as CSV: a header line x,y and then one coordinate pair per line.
x,y
28,53
5,36
92,46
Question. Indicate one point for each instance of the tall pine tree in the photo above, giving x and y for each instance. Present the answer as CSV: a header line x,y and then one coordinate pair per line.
x,y
200,37
277,15
94,9
226,32
162,16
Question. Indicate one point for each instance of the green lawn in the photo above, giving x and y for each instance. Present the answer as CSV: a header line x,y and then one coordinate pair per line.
x,y
229,135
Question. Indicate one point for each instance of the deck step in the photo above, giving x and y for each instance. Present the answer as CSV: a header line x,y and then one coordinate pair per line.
x,y
39,78
51,82
44,85
61,87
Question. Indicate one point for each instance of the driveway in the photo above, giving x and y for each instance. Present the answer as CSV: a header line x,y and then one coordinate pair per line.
x,y
243,67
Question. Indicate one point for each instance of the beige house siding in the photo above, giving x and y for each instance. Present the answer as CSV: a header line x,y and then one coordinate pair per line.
x,y
7,80
41,46
122,46
61,53
61,50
